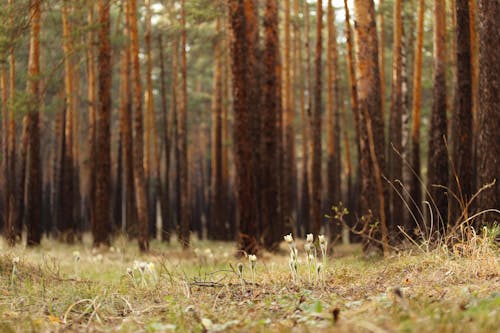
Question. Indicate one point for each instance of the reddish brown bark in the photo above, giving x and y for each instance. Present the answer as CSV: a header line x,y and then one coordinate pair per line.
x,y
316,216
139,177
102,226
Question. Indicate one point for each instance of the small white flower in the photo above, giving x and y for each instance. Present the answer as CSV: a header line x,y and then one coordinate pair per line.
x,y
322,239
288,238
252,257
99,257
310,238
15,260
143,266
307,247
311,257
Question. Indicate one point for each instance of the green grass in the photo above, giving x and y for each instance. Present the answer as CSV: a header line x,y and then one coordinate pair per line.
x,y
197,292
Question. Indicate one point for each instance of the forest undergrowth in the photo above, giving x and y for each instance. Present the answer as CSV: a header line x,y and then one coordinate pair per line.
x,y
76,288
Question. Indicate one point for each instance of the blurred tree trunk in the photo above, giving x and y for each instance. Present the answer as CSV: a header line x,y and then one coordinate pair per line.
x,y
371,122
303,218
139,182
126,131
416,176
152,159
175,110
102,226
288,205
333,123
461,123
217,187
381,58
66,223
163,188
182,143
34,183
255,104
437,170
316,216
10,144
353,94
270,133
395,146
240,62
488,147
91,96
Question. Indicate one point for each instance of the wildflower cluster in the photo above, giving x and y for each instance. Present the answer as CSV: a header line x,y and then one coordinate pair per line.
x,y
293,256
311,256
143,271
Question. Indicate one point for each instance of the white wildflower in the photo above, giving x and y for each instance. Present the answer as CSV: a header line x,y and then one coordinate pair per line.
x,y
309,238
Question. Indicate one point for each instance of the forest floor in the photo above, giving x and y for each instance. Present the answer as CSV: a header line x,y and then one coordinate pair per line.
x,y
53,288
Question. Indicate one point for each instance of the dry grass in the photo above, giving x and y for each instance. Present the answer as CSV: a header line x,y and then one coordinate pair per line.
x,y
438,291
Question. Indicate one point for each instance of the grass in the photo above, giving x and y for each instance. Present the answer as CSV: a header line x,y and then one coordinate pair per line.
x,y
200,291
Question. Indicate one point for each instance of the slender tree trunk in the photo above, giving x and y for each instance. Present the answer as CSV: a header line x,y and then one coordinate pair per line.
x,y
217,186
371,122
381,58
182,143
164,189
91,92
353,93
396,126
461,126
288,205
415,183
34,186
299,78
316,216
437,174
8,229
66,226
488,147
332,124
102,227
139,177
10,146
270,178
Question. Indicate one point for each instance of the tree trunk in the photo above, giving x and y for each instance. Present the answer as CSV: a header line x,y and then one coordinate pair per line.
x,y
102,227
182,143
332,124
461,123
288,205
353,93
164,189
437,174
488,147
269,130
316,216
66,226
371,122
395,146
416,178
139,183
240,62
34,186
304,118
217,186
